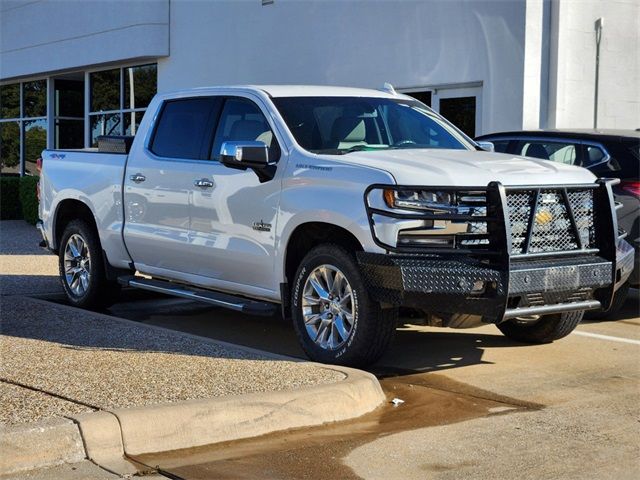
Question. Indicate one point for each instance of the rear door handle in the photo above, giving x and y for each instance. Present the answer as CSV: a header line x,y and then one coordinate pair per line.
x,y
203,183
138,177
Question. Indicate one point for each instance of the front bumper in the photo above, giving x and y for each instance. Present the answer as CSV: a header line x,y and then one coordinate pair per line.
x,y
466,286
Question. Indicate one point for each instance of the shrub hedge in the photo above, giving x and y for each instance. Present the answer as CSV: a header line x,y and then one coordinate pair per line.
x,y
18,199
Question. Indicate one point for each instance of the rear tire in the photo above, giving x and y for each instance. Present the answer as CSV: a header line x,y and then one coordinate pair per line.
x,y
334,317
82,269
545,330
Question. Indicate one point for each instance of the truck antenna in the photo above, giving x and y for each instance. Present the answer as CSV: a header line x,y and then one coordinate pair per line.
x,y
387,87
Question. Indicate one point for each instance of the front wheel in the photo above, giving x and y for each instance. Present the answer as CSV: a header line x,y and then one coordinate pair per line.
x,y
335,319
82,269
545,330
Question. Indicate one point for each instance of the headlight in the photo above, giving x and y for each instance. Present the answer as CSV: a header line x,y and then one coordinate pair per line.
x,y
420,200
429,218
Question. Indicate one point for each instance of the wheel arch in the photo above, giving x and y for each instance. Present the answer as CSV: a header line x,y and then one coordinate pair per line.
x,y
67,211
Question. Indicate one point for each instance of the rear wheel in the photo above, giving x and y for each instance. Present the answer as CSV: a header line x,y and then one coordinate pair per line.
x,y
545,330
335,319
82,269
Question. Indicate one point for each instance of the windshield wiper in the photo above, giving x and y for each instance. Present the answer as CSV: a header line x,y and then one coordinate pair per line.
x,y
363,148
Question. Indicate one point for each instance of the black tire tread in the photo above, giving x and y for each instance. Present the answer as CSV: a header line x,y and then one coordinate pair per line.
x,y
545,330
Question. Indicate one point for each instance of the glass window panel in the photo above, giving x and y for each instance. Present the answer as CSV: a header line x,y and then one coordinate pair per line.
x,y
105,90
10,101
182,130
35,141
140,85
105,125
69,134
132,118
555,151
10,147
35,98
461,112
69,98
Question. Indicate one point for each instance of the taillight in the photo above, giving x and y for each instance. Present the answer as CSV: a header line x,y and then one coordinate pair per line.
x,y
631,187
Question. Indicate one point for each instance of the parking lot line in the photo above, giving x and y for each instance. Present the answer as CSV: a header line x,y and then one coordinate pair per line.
x,y
607,337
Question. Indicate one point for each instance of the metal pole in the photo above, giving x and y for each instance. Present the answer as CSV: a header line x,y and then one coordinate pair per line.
x,y
598,26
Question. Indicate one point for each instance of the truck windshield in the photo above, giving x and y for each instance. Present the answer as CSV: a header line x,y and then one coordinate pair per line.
x,y
340,125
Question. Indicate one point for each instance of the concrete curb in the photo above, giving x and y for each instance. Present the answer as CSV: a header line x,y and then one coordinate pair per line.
x,y
40,444
204,422
107,437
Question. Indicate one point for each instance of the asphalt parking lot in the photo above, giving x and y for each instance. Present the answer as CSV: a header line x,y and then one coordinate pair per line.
x,y
477,405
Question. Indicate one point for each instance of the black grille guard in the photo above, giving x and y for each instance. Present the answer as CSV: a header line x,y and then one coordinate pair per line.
x,y
440,278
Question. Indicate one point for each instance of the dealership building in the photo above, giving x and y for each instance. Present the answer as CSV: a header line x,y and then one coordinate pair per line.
x,y
73,70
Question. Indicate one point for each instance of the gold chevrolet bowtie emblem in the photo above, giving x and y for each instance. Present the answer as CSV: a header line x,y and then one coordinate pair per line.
x,y
543,217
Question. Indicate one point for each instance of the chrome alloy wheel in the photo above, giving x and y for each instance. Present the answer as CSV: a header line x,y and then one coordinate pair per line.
x,y
327,307
77,265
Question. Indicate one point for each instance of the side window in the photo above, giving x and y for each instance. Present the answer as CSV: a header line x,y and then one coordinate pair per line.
x,y
560,152
593,156
242,120
500,145
184,128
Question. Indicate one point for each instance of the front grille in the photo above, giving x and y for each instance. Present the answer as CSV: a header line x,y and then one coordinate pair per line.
x,y
541,220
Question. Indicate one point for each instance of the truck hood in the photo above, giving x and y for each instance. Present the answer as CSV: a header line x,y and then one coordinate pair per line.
x,y
466,168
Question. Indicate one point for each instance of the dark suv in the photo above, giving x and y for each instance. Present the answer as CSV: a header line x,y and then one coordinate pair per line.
x,y
607,153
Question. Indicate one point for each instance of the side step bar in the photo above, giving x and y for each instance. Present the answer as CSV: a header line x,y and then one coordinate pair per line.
x,y
218,299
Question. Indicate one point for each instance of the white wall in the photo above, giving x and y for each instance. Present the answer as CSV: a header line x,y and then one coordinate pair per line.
x,y
361,43
37,37
571,100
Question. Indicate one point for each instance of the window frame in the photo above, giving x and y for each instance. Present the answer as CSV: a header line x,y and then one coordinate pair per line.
x,y
22,119
121,111
222,97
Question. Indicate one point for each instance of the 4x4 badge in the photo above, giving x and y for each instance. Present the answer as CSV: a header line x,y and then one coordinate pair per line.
x,y
261,226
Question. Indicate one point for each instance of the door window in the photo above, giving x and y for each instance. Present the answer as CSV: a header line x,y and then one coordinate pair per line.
x,y
561,152
242,120
184,128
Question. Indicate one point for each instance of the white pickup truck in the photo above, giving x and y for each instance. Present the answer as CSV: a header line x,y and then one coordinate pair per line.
x,y
341,205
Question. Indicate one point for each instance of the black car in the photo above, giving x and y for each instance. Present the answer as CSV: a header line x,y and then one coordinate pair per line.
x,y
607,153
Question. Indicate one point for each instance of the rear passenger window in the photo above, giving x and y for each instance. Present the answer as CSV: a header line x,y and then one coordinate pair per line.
x,y
560,152
184,128
594,156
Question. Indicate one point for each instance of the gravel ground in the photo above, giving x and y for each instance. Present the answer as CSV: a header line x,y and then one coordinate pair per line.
x,y
108,363
22,404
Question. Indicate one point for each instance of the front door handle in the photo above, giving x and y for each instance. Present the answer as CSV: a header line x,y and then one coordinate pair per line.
x,y
138,177
203,183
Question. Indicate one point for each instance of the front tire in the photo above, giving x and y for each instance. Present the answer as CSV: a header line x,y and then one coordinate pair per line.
x,y
334,318
547,329
82,269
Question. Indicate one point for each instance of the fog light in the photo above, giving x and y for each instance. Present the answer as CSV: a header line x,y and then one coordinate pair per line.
x,y
478,286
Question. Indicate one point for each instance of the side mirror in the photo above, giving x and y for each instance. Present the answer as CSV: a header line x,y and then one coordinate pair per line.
x,y
487,146
248,154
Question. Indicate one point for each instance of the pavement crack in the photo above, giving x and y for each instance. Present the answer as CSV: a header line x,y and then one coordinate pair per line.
x,y
46,392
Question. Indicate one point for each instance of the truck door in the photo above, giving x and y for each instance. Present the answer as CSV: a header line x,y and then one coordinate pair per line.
x,y
158,184
233,215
